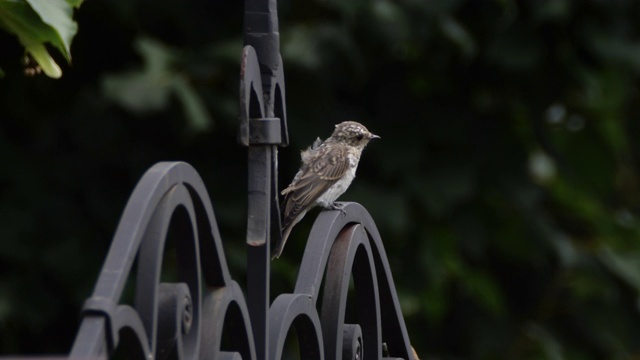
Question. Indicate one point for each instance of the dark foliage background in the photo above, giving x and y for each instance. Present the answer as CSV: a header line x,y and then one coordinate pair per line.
x,y
505,184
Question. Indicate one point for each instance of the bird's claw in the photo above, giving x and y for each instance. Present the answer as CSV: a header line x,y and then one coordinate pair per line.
x,y
338,206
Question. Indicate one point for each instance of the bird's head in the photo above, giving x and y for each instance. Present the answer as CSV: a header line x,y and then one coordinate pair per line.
x,y
353,133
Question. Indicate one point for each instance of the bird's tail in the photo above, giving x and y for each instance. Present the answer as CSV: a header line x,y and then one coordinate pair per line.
x,y
277,250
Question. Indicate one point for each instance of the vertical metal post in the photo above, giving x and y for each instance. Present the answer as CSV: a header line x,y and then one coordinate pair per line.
x,y
258,252
262,132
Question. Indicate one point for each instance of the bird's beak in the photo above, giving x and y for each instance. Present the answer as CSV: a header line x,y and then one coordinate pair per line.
x,y
373,136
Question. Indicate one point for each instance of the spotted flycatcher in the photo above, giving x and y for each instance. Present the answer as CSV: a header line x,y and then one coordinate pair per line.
x,y
327,170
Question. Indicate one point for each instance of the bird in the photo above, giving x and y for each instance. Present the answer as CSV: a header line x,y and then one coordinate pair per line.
x,y
327,169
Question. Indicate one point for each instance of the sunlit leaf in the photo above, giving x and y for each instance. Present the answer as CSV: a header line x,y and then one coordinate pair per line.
x,y
75,3
45,22
58,14
46,62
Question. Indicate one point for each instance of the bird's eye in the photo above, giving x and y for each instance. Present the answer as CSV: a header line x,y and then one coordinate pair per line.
x,y
359,137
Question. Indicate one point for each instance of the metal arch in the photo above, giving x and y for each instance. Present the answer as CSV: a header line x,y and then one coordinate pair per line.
x,y
214,265
296,310
165,190
394,329
351,254
325,230
170,211
219,306
137,214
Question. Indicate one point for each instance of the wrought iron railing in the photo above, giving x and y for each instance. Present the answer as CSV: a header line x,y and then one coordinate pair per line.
x,y
203,314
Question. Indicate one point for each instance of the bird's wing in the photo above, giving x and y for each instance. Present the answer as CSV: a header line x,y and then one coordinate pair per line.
x,y
318,175
319,172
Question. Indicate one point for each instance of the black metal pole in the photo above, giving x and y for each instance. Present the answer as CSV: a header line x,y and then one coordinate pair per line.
x,y
262,132
258,259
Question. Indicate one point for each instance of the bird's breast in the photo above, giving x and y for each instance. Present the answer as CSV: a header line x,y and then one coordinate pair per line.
x,y
337,189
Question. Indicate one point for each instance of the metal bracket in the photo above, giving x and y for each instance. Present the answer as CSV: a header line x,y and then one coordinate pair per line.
x,y
265,131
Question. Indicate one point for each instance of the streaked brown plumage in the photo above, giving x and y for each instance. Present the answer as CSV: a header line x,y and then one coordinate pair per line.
x,y
326,172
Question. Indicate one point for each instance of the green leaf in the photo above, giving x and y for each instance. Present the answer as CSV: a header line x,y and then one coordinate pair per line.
x,y
75,3
59,15
17,17
46,62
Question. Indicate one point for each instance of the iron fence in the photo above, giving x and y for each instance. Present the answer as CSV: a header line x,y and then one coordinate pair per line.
x,y
203,313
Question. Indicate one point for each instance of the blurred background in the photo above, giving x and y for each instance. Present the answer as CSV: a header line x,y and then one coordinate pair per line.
x,y
505,185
